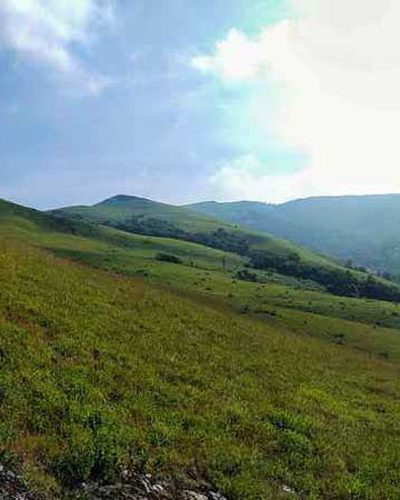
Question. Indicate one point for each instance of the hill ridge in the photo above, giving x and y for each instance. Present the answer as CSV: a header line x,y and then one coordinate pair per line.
x,y
263,251
363,228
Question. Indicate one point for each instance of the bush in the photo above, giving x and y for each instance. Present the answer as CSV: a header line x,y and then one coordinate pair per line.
x,y
166,257
245,275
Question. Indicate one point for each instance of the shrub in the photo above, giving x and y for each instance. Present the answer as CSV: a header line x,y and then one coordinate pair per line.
x,y
245,275
166,257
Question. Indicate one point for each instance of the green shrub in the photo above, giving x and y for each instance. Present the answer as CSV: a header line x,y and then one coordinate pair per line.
x,y
166,257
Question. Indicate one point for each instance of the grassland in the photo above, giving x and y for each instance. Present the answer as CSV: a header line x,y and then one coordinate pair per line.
x,y
263,251
99,370
119,209
205,273
110,358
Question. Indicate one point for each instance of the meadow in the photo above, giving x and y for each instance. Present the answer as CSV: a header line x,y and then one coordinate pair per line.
x,y
262,251
113,359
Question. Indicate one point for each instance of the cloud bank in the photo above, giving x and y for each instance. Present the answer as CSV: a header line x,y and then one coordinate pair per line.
x,y
337,67
49,31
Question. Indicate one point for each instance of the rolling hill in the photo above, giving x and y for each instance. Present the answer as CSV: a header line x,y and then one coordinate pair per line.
x,y
259,390
262,251
365,229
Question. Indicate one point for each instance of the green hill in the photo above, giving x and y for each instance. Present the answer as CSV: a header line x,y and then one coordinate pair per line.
x,y
12,215
365,229
124,210
263,389
262,251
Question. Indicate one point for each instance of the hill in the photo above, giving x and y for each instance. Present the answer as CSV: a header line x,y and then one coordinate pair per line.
x,y
365,229
264,252
12,215
259,389
122,210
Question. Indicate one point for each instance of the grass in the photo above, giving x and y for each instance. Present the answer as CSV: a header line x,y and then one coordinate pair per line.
x,y
100,371
121,360
264,251
205,272
121,208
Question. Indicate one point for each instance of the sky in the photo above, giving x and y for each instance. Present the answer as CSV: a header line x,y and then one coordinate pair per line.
x,y
190,100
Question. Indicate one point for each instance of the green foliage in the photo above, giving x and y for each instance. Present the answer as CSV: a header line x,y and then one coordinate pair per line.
x,y
246,275
150,218
94,448
362,229
167,257
101,371
337,281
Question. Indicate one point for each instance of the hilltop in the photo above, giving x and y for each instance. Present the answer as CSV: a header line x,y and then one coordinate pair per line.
x,y
126,211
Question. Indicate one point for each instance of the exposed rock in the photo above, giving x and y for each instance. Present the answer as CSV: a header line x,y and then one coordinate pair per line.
x,y
191,495
12,487
132,486
287,489
145,487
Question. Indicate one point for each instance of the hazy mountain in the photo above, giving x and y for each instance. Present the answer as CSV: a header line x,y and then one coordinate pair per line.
x,y
365,229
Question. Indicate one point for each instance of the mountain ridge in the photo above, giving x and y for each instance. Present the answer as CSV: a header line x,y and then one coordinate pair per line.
x,y
263,251
363,228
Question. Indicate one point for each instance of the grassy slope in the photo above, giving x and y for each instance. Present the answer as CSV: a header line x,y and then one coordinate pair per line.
x,y
120,210
363,228
99,370
205,272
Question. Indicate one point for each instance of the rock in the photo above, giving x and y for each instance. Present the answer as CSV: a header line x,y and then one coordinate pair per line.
x,y
191,495
216,496
132,486
158,488
12,486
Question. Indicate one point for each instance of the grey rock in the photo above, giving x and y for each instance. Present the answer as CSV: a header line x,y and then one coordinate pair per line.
x,y
192,495
215,496
12,487
132,486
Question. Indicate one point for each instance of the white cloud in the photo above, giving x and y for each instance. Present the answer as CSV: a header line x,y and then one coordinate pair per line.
x,y
45,31
247,178
338,69
236,58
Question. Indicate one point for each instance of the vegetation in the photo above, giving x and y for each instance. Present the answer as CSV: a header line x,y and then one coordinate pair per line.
x,y
146,217
167,257
364,229
268,388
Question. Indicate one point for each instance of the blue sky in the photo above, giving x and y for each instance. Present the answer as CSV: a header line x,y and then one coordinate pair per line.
x,y
181,100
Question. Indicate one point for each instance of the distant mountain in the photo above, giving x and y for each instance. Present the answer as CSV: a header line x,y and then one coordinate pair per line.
x,y
365,229
261,251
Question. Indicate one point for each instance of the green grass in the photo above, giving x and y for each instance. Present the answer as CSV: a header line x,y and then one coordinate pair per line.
x,y
205,272
99,371
120,360
137,215
121,208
